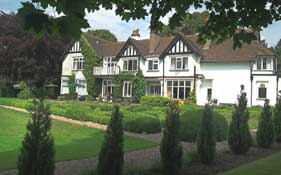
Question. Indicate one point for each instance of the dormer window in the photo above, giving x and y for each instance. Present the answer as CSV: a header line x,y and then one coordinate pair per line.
x,y
78,63
264,63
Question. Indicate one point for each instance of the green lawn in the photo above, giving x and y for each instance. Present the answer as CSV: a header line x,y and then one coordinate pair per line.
x,y
267,166
72,141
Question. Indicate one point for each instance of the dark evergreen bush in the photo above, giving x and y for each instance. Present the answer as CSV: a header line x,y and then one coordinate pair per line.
x,y
111,157
142,125
265,133
190,122
171,149
239,136
206,142
277,120
37,154
138,89
26,92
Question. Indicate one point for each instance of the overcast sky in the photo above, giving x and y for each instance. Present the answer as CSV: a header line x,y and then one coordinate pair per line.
x,y
106,19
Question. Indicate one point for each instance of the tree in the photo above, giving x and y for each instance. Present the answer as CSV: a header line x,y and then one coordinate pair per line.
x,y
170,148
37,154
206,142
239,136
72,88
265,133
277,52
277,120
224,19
190,24
138,89
90,61
111,157
25,57
103,33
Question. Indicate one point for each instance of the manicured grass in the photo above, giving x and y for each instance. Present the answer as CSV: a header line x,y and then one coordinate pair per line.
x,y
267,166
72,141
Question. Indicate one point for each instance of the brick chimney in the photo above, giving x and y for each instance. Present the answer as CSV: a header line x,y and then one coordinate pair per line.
x,y
135,34
154,41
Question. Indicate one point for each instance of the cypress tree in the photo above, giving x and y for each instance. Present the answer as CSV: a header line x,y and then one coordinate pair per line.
x,y
265,133
37,154
239,136
277,120
171,149
111,156
138,89
206,141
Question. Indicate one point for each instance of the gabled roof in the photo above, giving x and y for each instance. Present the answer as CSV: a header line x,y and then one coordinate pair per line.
x,y
214,53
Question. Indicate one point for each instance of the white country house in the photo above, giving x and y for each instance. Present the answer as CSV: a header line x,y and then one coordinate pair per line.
x,y
175,66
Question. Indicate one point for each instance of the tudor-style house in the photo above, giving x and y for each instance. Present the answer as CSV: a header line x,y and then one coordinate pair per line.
x,y
175,66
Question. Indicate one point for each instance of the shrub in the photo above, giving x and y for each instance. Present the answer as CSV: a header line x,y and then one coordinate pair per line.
x,y
191,121
138,89
38,146
277,120
155,101
206,142
265,133
111,157
26,93
142,125
170,148
239,136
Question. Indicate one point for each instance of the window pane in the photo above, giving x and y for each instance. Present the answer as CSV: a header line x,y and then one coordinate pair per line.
x,y
179,63
129,89
125,65
185,63
135,64
262,92
175,92
169,83
181,83
173,63
209,93
264,63
258,64
187,83
150,64
155,66
181,93
130,65
169,92
187,92
175,83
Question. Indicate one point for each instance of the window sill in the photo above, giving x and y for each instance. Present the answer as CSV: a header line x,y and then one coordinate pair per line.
x,y
179,70
153,71
261,98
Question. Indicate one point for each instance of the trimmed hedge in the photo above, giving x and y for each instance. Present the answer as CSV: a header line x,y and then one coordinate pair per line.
x,y
143,125
190,122
155,101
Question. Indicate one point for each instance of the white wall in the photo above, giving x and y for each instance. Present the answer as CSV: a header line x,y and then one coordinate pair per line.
x,y
226,81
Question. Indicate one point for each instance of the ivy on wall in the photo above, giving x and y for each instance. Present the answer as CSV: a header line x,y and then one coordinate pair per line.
x,y
91,60
138,87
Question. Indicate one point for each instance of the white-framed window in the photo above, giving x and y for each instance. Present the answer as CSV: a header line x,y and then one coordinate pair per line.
x,y
127,89
78,63
262,91
178,89
264,63
130,65
179,63
153,65
107,88
154,89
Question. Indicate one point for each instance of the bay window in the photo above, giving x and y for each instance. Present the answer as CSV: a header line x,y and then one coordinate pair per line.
x,y
178,89
179,63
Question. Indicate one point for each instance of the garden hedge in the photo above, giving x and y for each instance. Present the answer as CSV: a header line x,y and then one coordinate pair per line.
x,y
142,125
190,122
155,101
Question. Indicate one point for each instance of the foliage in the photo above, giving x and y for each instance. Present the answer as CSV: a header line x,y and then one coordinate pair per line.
x,y
189,25
265,133
171,149
277,120
118,81
103,33
277,52
206,142
239,136
7,89
155,101
37,155
190,123
111,157
26,92
142,125
138,87
25,57
72,95
90,61
192,97
224,16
